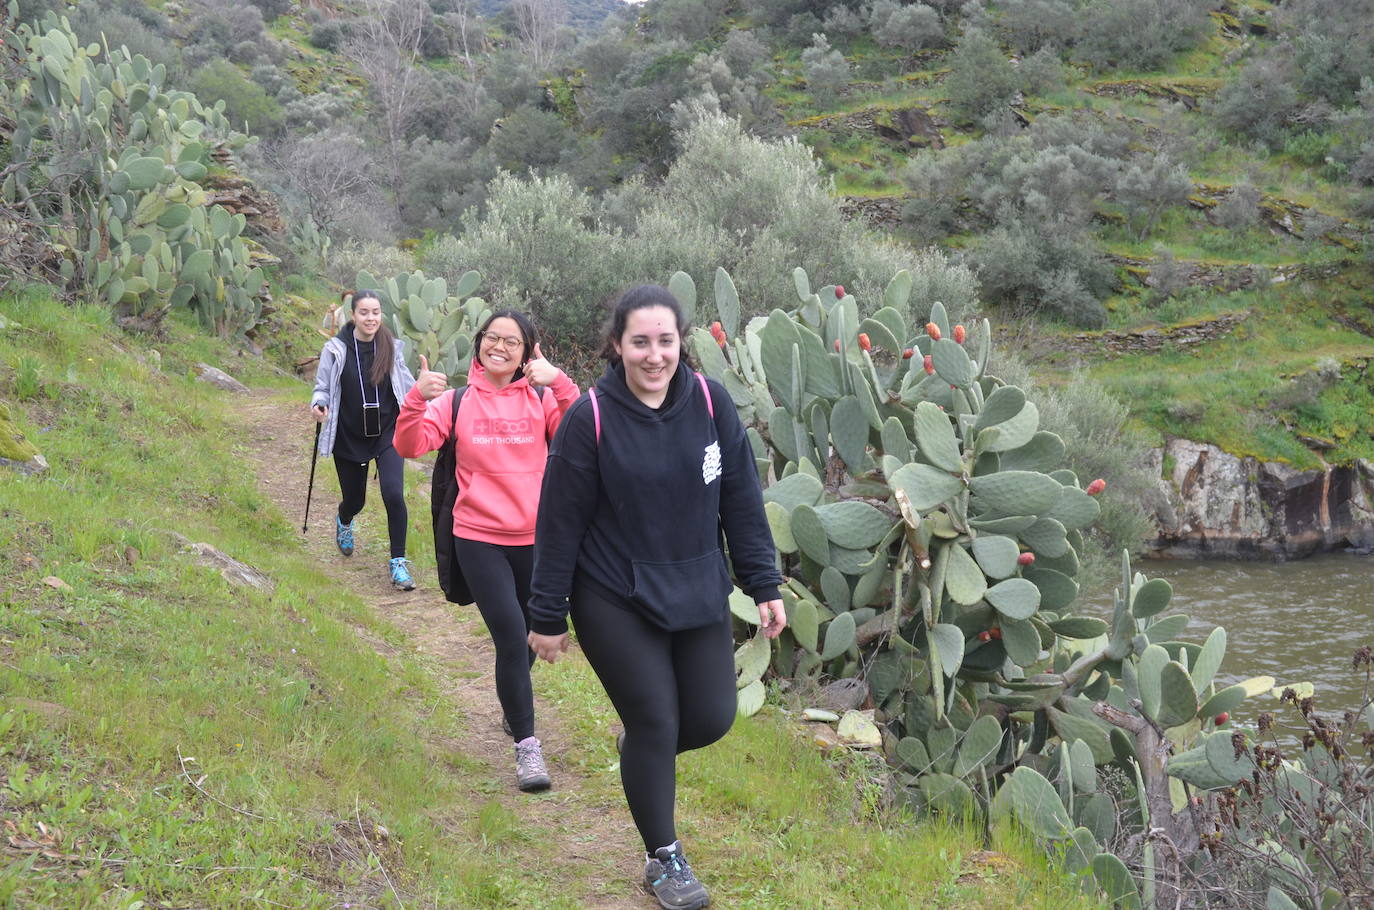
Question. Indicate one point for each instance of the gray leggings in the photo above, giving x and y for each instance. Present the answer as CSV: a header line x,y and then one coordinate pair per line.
x,y
674,691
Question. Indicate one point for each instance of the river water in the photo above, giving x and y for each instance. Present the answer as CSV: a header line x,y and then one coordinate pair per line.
x,y
1297,621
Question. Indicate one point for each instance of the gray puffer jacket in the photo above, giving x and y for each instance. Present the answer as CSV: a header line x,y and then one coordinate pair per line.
x,y
326,393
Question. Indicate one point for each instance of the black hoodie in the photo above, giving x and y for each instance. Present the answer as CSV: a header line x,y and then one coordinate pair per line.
x,y
640,513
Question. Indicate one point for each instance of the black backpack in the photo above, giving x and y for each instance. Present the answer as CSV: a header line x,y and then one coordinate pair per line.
x,y
443,493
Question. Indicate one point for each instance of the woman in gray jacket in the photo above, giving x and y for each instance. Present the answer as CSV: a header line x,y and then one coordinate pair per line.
x,y
360,382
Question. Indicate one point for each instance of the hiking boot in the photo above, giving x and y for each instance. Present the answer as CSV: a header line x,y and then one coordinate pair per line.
x,y
531,773
400,575
668,878
343,536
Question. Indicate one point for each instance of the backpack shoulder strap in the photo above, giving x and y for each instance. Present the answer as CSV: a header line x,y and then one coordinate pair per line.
x,y
596,408
710,405
596,412
458,395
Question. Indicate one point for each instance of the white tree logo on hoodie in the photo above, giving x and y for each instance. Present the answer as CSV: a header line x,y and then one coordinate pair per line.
x,y
710,465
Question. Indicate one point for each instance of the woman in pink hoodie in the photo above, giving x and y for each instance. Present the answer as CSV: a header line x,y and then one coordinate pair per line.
x,y
504,424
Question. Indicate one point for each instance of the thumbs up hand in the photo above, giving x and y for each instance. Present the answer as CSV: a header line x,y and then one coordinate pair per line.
x,y
539,371
430,383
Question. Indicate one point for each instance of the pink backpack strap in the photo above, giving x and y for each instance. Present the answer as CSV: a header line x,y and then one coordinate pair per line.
x,y
710,405
596,413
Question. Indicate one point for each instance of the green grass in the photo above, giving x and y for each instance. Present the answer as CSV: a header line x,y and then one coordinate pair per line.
x,y
774,822
172,740
1235,391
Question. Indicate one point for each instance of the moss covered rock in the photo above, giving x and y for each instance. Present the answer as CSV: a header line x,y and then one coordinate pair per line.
x,y
15,449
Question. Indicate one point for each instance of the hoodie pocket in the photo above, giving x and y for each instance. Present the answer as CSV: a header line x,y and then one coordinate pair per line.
x,y
686,594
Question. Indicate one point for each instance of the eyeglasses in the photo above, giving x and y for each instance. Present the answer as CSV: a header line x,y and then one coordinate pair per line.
x,y
509,342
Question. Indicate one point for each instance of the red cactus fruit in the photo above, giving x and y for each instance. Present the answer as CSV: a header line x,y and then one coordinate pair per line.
x,y
1025,559
837,344
996,632
959,334
906,355
985,635
929,365
1097,486
864,343
933,331
839,291
1222,718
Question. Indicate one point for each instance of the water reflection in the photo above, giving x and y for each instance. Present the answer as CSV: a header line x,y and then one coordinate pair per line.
x,y
1297,621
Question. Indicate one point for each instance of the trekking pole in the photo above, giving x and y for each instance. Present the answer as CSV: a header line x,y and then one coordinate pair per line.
x,y
314,457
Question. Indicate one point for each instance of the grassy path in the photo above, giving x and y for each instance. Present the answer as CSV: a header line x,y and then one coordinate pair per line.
x,y
583,842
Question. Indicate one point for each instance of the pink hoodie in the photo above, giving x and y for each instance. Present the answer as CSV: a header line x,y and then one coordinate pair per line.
x,y
502,445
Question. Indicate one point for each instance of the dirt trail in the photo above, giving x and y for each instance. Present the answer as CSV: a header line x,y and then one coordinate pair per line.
x,y
595,841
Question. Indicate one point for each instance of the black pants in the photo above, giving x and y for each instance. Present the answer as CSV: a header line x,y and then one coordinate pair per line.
x,y
499,578
674,691
353,486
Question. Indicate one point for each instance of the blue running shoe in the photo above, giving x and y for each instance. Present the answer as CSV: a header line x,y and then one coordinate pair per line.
x,y
343,536
400,574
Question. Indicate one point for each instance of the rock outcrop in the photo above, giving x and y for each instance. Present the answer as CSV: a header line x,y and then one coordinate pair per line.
x,y
1220,505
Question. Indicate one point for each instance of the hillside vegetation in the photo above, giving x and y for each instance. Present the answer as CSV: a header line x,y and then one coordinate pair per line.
x,y
1162,205
1188,181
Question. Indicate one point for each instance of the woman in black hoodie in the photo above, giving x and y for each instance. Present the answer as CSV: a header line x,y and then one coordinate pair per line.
x,y
645,474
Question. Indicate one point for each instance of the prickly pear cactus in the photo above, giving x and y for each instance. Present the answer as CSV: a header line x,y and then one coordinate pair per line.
x,y
931,537
436,324
111,160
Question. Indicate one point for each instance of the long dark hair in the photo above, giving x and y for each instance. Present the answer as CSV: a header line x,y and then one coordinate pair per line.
x,y
639,298
527,330
384,347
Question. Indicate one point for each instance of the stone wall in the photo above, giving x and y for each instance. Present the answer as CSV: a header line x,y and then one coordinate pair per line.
x,y
1219,505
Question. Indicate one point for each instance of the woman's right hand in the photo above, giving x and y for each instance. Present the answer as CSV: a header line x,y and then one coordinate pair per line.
x,y
319,412
431,384
548,647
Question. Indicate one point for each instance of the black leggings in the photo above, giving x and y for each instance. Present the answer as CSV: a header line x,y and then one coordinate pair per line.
x,y
353,486
674,691
499,578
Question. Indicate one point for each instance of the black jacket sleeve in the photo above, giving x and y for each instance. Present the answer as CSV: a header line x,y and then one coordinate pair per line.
x,y
567,503
752,553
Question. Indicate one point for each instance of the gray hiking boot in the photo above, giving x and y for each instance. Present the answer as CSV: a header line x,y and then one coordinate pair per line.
x,y
669,879
531,773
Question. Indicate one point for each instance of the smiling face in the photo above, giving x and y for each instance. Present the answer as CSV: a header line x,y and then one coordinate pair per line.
x,y
650,348
501,350
367,317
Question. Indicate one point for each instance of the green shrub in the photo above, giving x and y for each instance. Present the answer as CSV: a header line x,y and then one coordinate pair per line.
x,y
246,104
1138,34
1259,103
825,69
753,206
981,78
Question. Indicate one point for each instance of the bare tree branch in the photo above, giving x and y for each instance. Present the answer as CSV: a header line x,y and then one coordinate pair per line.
x,y
386,43
540,23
